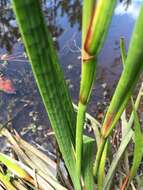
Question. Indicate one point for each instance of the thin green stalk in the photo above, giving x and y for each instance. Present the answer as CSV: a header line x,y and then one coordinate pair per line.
x,y
98,157
95,125
89,59
123,50
140,94
123,117
82,105
101,172
87,78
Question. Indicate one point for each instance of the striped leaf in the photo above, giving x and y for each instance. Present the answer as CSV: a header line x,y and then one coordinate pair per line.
x,y
49,78
125,87
138,151
128,79
87,164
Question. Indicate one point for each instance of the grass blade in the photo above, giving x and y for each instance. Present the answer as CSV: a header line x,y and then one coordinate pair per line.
x,y
49,78
87,169
128,79
123,50
125,140
121,149
101,172
138,152
127,82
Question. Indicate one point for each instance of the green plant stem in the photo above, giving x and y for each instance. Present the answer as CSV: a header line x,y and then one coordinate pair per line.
x,y
123,50
98,157
123,118
96,20
88,155
95,125
79,137
101,171
88,70
87,79
140,94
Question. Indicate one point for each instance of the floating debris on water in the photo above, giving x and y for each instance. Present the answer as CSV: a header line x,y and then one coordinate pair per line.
x,y
7,86
70,67
104,85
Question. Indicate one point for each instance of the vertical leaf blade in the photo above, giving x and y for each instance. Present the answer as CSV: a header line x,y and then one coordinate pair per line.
x,y
87,166
49,78
138,139
101,172
128,79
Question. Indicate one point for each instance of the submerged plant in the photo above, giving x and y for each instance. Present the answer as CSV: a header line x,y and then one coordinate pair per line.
x,y
85,166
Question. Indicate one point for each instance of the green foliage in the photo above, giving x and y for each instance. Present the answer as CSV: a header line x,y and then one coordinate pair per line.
x,y
101,171
138,140
123,50
88,156
95,25
49,78
125,87
78,150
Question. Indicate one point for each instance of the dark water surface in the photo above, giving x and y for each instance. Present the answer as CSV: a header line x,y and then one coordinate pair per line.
x,y
64,21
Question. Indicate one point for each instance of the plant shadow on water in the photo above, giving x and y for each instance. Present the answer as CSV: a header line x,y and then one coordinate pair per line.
x,y
64,22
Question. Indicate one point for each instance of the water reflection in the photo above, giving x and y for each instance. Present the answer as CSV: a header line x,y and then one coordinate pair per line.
x,y
126,2
53,10
60,16
73,11
132,10
8,32
57,13
4,2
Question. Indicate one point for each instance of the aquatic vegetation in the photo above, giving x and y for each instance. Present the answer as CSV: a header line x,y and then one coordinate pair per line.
x,y
88,168
95,27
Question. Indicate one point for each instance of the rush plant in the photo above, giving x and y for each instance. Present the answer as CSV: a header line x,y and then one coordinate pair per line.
x,y
86,164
